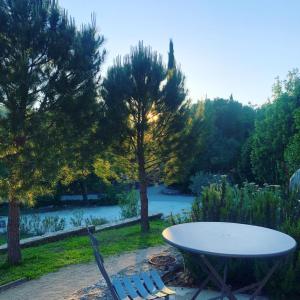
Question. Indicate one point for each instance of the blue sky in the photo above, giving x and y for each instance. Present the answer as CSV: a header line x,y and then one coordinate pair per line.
x,y
223,46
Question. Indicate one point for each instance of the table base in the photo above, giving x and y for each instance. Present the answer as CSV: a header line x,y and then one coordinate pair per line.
x,y
220,281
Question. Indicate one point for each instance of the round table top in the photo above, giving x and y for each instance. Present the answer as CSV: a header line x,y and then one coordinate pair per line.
x,y
229,239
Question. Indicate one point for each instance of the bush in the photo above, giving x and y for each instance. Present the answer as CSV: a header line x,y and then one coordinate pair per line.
x,y
35,225
130,204
95,221
53,224
77,219
201,180
250,204
113,194
47,200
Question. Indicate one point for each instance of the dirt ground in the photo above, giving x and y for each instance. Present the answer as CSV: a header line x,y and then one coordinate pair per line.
x,y
64,283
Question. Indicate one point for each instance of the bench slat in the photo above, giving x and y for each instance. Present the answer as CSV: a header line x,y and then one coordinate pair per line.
x,y
140,288
120,289
159,283
150,285
130,289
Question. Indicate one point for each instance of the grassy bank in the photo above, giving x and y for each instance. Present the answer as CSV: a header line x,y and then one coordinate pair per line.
x,y
43,259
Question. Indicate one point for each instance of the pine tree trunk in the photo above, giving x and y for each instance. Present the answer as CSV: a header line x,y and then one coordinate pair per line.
x,y
13,233
83,187
143,186
144,200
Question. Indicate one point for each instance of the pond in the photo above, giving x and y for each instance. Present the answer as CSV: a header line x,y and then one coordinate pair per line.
x,y
158,203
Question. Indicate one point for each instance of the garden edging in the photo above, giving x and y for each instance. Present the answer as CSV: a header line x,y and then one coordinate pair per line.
x,y
78,231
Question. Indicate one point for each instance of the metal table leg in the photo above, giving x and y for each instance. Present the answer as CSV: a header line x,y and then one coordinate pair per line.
x,y
201,287
205,282
263,282
214,276
226,289
220,281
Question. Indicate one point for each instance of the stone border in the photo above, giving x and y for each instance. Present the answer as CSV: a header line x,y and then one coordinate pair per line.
x,y
12,284
78,231
126,222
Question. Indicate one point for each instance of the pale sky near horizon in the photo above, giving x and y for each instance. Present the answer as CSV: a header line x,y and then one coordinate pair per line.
x,y
223,46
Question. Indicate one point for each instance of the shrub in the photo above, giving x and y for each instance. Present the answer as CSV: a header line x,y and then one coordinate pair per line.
x,y
47,200
77,219
95,221
201,180
53,224
130,204
250,204
114,193
36,225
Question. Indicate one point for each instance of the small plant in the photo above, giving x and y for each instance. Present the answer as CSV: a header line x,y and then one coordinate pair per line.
x,y
77,219
114,193
184,217
25,225
35,225
95,221
129,204
53,224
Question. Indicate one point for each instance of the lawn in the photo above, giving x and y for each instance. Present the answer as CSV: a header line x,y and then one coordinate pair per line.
x,y
2,239
43,259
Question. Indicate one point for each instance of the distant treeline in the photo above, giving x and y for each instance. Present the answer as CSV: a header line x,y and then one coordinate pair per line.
x,y
245,142
223,136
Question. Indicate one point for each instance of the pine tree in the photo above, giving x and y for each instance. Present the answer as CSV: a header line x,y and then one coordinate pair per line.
x,y
48,80
144,103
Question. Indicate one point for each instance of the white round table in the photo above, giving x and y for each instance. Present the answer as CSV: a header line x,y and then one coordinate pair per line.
x,y
229,240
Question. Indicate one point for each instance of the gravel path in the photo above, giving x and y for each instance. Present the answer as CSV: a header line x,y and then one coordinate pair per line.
x,y
65,282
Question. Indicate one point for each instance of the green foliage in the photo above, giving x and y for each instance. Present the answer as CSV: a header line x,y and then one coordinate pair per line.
x,y
250,204
36,225
181,164
46,200
114,193
50,257
130,204
227,125
247,144
145,104
77,218
47,84
49,73
201,180
273,146
215,133
95,221
293,149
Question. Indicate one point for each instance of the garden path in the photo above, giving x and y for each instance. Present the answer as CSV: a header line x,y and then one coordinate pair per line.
x,y
65,282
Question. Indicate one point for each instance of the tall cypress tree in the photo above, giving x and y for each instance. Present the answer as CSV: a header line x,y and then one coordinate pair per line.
x,y
171,58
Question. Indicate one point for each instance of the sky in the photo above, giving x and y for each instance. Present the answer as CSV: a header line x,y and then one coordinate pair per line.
x,y
223,47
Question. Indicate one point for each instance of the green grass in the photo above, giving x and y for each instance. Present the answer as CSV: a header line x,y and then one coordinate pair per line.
x,y
2,239
43,259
